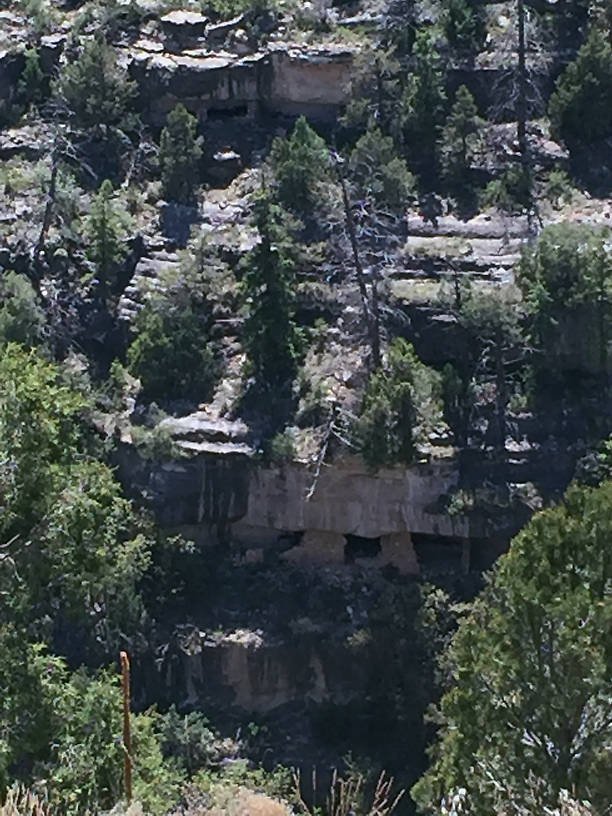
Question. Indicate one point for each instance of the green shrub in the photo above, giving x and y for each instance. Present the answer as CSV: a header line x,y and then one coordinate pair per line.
x,y
30,87
105,227
529,667
21,317
96,90
40,16
460,136
281,448
464,24
566,279
580,109
385,429
558,188
271,337
509,193
299,164
171,354
379,172
423,103
231,8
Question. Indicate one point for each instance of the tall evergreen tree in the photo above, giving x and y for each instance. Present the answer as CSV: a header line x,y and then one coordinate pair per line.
x,y
300,163
385,428
580,109
105,227
424,99
566,279
375,90
464,24
379,172
460,136
180,151
270,332
32,84
96,90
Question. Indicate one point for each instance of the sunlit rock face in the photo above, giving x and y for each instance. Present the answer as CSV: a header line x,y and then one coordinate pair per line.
x,y
257,673
281,80
219,491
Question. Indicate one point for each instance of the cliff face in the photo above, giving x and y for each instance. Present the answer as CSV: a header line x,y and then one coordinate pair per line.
x,y
277,81
219,492
253,672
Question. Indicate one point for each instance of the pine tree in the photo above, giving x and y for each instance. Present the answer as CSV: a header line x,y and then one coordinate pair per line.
x,y
379,172
270,333
31,83
104,228
566,280
300,163
424,100
464,24
96,89
375,91
402,394
460,136
580,109
180,152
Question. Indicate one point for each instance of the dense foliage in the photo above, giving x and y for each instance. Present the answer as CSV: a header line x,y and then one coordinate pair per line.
x,y
529,670
96,90
271,336
460,137
106,225
171,353
299,163
566,280
180,151
581,107
396,395
382,324
76,548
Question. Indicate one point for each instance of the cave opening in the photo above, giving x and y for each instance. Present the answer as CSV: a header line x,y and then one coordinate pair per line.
x,y
360,547
220,114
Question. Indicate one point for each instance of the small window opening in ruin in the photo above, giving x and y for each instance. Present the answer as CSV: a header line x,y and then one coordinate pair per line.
x,y
290,539
360,547
227,113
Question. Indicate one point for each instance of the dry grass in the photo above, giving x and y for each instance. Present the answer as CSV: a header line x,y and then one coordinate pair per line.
x,y
22,802
347,796
232,800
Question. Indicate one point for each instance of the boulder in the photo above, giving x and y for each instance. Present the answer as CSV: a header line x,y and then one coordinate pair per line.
x,y
183,27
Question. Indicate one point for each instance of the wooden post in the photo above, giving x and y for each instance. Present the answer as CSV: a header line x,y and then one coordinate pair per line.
x,y
127,734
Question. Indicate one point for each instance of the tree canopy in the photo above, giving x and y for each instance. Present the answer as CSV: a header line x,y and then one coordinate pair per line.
x,y
180,151
566,279
95,88
74,547
580,109
271,336
300,163
529,670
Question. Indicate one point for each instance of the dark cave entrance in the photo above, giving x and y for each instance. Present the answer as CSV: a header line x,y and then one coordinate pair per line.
x,y
221,114
360,547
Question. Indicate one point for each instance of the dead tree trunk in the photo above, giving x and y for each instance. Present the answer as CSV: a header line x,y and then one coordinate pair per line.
x,y
369,305
521,112
47,217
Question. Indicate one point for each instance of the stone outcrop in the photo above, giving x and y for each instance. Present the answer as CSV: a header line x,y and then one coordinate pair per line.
x,y
258,673
219,492
281,80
